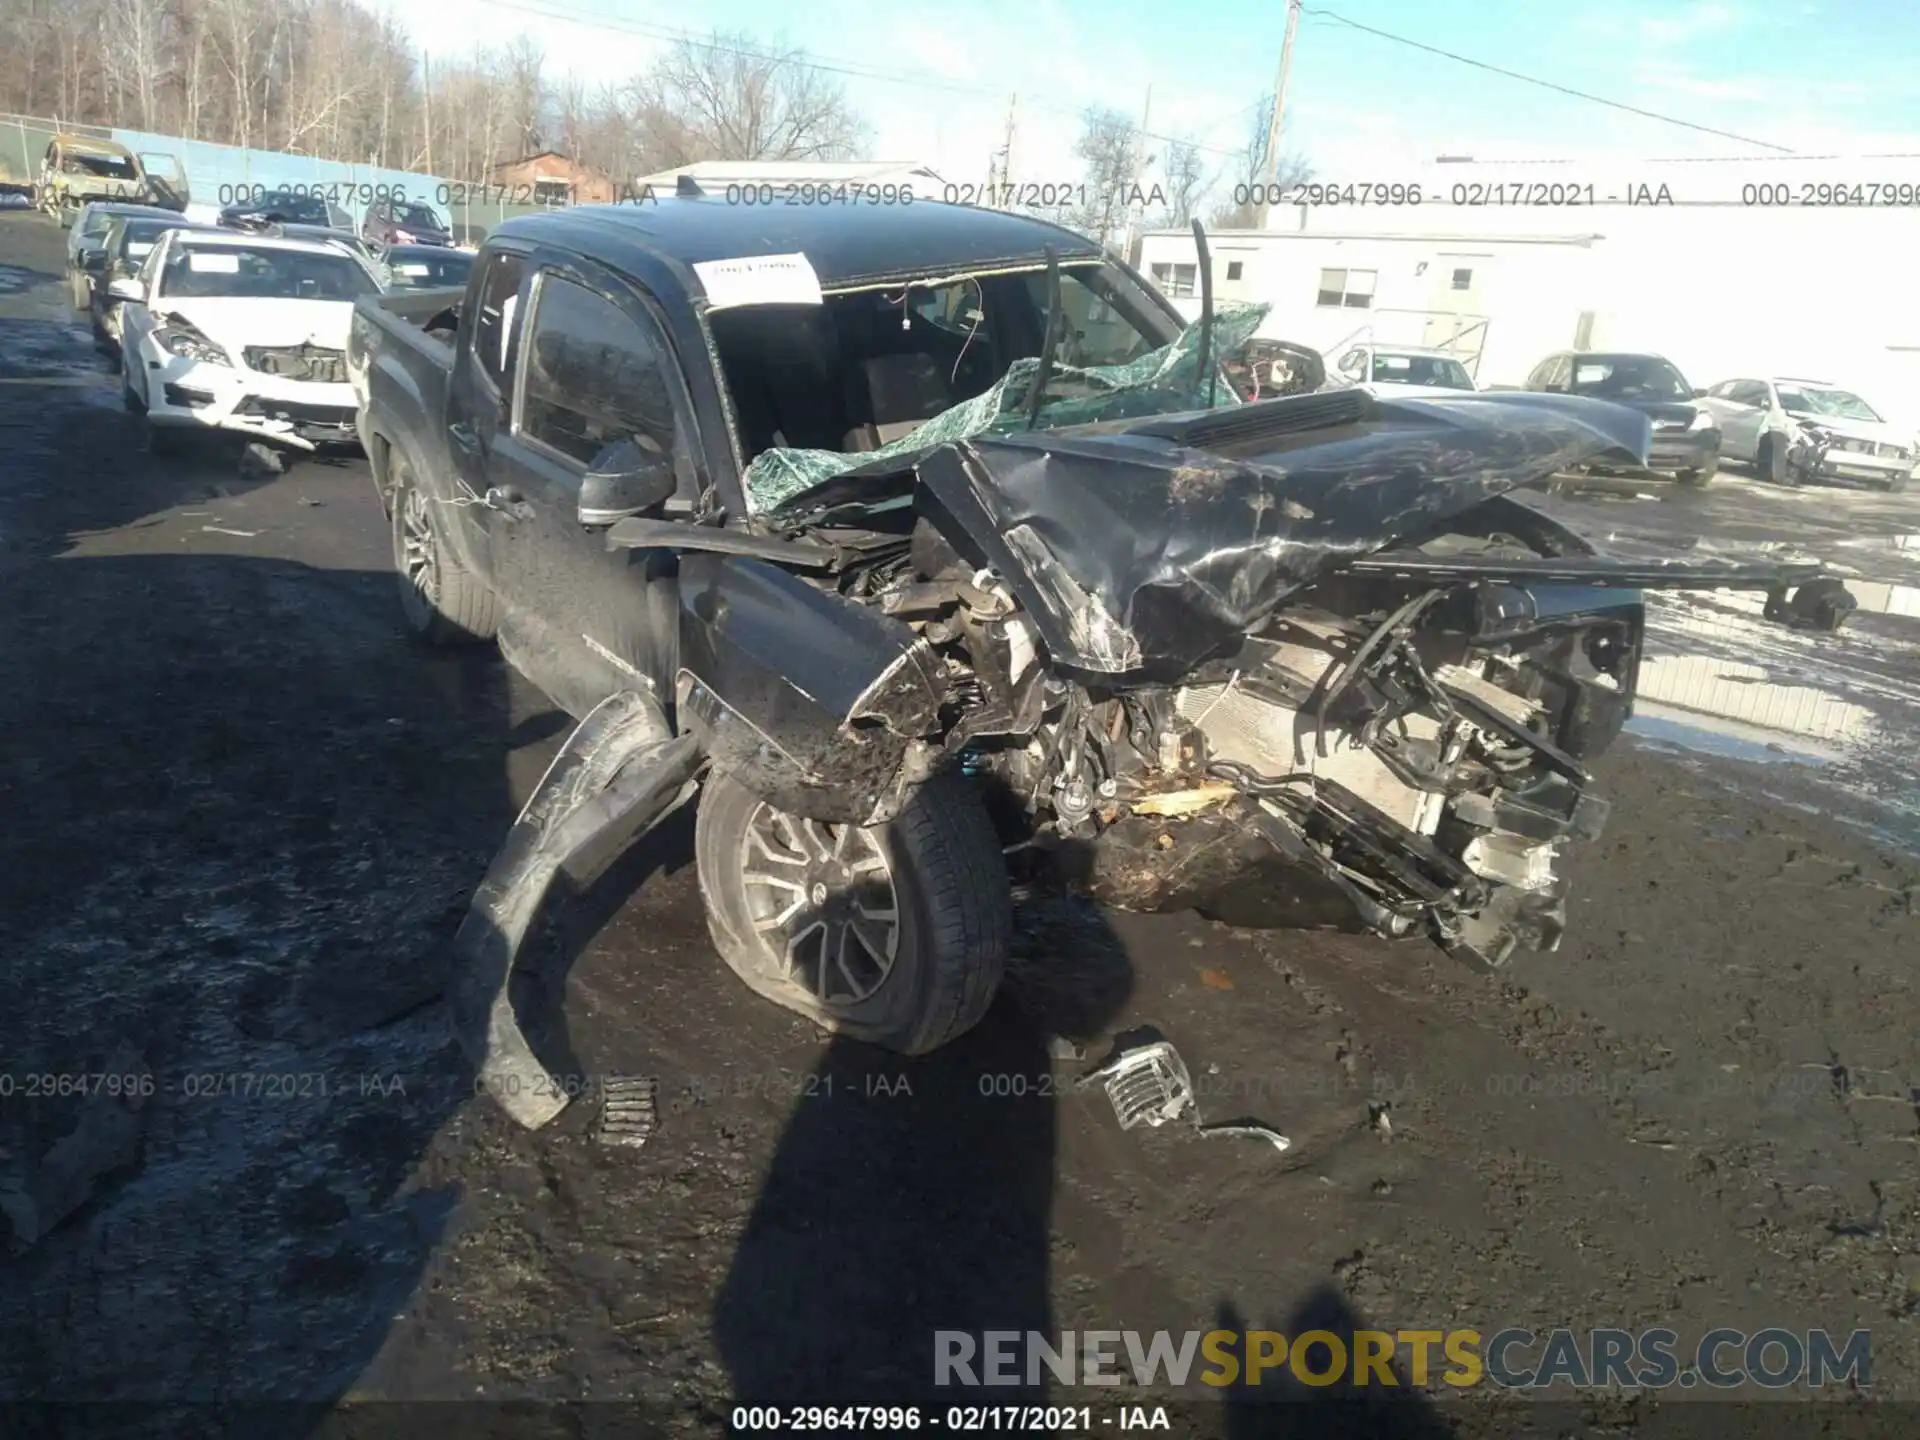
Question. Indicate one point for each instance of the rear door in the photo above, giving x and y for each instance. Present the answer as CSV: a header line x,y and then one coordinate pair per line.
x,y
596,368
478,409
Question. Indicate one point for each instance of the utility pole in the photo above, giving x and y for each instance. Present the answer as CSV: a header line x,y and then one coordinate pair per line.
x,y
1139,174
1272,157
1013,128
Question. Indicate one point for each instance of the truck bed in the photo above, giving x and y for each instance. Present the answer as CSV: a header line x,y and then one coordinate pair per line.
x,y
400,371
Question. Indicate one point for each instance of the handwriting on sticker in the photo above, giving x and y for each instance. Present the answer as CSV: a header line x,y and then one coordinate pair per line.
x,y
759,280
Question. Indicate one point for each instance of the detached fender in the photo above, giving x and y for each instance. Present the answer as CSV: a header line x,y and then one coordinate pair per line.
x,y
617,775
812,701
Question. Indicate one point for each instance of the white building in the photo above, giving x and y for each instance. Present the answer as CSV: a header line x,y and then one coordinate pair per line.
x,y
1729,269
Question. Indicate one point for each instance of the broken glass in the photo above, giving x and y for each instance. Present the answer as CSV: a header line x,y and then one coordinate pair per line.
x,y
1166,381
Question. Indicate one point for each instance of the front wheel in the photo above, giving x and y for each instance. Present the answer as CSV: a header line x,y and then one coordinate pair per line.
x,y
1771,461
1897,483
895,934
444,602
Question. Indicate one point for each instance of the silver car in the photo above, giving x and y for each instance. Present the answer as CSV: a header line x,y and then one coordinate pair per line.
x,y
1793,431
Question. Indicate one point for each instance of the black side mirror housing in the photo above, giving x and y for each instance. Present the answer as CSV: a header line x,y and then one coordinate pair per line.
x,y
1699,391
625,479
93,259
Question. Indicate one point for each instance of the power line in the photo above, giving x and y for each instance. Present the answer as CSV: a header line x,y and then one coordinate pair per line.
x,y
1543,84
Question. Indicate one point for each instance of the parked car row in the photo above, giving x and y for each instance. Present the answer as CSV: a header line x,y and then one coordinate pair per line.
x,y
240,327
1791,431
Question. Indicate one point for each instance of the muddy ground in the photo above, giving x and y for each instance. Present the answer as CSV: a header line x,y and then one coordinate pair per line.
x,y
243,818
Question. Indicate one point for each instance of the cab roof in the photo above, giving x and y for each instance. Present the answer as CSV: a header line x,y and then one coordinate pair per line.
x,y
848,242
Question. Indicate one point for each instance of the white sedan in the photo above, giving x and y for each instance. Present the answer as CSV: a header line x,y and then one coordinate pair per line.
x,y
245,333
1798,430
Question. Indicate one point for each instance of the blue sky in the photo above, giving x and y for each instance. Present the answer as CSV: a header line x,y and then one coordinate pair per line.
x,y
1817,78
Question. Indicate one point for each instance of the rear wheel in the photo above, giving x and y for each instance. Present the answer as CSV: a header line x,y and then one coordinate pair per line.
x,y
1897,483
444,602
895,934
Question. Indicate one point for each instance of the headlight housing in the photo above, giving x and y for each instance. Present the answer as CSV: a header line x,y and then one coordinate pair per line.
x,y
191,345
1702,420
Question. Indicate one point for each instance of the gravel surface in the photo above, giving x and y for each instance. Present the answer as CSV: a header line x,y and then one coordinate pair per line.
x,y
245,815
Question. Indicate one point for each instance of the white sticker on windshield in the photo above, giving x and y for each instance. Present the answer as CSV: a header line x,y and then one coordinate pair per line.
x,y
213,262
413,269
759,280
135,248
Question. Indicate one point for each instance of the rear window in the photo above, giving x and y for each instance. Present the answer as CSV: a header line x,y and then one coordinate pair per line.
x,y
428,271
1432,370
1628,377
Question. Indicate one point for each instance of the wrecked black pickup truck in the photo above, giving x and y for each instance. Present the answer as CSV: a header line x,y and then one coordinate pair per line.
x,y
916,538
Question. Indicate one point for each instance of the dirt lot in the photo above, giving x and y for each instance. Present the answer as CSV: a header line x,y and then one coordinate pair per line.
x,y
244,817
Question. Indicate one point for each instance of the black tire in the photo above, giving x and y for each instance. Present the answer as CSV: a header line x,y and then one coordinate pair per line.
x,y
443,601
1700,477
1897,483
953,909
134,404
1771,461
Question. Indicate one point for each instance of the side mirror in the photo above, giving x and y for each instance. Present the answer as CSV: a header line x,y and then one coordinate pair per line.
x,y
625,479
94,260
127,288
1699,392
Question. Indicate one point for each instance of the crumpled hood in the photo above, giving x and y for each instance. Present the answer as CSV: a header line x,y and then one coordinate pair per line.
x,y
1147,545
234,324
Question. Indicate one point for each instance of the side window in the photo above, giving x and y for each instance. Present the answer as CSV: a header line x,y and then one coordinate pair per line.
x,y
1538,379
1750,392
495,334
594,377
1560,372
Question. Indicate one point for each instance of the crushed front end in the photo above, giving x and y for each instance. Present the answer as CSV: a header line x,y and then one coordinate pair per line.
x,y
1306,664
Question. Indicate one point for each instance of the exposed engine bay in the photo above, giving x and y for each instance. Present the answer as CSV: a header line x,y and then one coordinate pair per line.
x,y
1408,753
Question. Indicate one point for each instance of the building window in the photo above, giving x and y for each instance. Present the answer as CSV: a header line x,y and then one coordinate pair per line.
x,y
551,192
1176,280
1347,289
1463,279
1233,269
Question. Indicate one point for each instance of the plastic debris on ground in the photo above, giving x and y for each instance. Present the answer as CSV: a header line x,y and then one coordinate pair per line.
x,y
627,1115
1148,1084
1166,381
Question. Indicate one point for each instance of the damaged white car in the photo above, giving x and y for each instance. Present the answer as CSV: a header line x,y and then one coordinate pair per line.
x,y
242,333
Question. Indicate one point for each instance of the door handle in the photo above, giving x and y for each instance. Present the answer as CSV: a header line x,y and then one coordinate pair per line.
x,y
464,436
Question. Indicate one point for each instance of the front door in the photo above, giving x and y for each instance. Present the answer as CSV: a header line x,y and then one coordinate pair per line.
x,y
596,369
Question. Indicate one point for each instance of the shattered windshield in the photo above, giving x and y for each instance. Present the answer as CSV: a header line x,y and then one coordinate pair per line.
x,y
1840,404
1108,367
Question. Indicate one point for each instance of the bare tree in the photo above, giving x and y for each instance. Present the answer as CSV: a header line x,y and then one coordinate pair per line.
x,y
526,95
1185,180
1109,157
728,98
1239,209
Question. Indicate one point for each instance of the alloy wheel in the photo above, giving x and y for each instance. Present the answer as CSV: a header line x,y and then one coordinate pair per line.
x,y
823,901
419,546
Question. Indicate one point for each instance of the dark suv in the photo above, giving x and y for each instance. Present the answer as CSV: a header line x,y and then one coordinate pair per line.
x,y
404,222
1686,438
